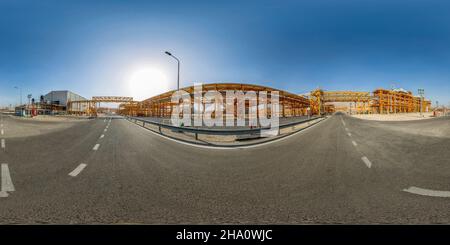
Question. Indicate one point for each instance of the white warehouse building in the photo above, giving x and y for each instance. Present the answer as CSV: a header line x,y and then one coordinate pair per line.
x,y
62,97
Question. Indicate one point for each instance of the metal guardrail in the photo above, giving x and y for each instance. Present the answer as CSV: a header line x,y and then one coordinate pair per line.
x,y
228,132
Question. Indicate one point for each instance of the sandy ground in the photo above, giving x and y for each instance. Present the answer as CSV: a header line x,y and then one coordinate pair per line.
x,y
395,117
411,124
437,127
25,127
46,118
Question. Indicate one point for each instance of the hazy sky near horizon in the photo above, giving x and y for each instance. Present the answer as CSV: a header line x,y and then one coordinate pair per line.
x,y
94,47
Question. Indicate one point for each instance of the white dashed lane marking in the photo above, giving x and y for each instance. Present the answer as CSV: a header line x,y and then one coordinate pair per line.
x,y
78,170
7,184
96,147
80,167
366,161
3,144
427,192
364,158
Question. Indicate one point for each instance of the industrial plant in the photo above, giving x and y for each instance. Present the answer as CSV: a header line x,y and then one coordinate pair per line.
x,y
317,102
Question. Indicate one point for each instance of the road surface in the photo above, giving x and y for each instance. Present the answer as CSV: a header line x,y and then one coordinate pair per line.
x,y
342,170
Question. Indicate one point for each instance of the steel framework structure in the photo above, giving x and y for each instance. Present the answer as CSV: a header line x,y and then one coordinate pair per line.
x,y
379,101
291,105
320,98
391,101
161,105
90,107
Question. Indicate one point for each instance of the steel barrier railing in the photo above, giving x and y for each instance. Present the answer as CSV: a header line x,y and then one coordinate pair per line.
x,y
216,131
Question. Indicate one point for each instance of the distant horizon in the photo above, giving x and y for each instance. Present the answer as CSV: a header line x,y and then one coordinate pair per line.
x,y
113,105
106,48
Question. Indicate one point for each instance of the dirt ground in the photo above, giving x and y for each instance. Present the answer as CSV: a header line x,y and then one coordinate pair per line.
x,y
24,127
396,116
46,118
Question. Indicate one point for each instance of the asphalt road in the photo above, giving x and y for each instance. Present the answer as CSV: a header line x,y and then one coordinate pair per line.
x,y
342,170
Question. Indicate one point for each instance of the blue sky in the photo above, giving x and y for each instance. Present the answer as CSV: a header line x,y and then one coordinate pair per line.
x,y
91,47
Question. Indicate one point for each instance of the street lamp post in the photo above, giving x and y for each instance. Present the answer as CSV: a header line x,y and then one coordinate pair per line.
x,y
20,89
178,61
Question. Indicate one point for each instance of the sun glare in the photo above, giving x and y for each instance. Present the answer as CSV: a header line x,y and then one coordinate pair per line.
x,y
147,82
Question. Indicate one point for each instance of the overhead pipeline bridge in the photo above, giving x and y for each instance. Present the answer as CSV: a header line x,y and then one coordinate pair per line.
x,y
90,107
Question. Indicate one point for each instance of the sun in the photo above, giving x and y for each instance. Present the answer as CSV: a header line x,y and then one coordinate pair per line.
x,y
147,82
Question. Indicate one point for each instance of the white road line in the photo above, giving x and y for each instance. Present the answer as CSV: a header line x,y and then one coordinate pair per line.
x,y
366,161
96,147
78,170
3,143
349,134
101,136
354,143
2,132
427,192
7,184
105,129
346,129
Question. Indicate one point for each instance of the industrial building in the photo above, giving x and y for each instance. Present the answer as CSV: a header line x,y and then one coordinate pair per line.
x,y
55,102
62,97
